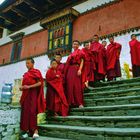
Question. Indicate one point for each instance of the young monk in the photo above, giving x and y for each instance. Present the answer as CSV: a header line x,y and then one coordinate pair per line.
x,y
89,65
135,55
113,62
60,66
73,72
32,100
55,99
100,56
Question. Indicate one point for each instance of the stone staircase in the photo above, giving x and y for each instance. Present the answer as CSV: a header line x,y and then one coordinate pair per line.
x,y
111,112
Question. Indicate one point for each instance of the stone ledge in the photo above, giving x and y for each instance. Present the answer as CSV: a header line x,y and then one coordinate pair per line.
x,y
112,92
127,106
109,87
92,130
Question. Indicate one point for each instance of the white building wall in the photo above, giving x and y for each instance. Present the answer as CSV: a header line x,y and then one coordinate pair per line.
x,y
28,30
14,71
90,4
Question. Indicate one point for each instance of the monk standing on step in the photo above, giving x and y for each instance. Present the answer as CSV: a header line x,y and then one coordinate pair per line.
x,y
113,62
60,66
55,99
135,55
32,100
99,53
73,76
89,65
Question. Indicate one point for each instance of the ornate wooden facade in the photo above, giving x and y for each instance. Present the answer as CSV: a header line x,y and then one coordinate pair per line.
x,y
59,28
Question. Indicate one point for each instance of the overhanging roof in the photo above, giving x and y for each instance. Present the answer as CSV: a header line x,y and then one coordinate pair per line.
x,y
16,14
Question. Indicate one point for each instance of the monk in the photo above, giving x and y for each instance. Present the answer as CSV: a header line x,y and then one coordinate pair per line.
x,y
61,65
113,62
56,101
135,55
32,100
89,66
73,72
99,53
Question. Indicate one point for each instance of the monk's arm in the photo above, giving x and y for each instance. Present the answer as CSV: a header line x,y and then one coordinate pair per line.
x,y
81,66
35,85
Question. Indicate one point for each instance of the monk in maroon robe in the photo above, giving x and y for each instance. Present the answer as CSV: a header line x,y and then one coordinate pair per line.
x,y
55,99
32,100
61,65
73,79
99,53
113,62
135,55
89,66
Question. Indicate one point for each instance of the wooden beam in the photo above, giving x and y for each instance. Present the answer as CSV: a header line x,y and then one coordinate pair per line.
x,y
51,2
2,25
2,15
14,4
33,6
19,12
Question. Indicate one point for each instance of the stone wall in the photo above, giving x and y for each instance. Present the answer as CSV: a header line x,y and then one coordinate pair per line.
x,y
9,122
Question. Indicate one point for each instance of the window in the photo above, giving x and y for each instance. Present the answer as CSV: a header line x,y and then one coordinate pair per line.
x,y
16,51
17,47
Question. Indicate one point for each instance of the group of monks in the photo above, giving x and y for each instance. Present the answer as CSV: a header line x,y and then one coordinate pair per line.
x,y
67,81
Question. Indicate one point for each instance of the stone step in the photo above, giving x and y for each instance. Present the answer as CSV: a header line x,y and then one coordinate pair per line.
x,y
46,138
89,133
114,87
97,121
115,93
114,110
118,82
112,101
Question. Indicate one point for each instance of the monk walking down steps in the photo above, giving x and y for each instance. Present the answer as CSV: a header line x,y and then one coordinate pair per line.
x,y
32,100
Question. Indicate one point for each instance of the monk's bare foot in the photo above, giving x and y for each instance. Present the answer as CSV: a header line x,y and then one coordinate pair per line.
x,y
86,84
81,106
35,135
56,115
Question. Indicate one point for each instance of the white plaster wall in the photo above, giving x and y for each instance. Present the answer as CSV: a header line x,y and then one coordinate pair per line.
x,y
28,30
90,4
15,71
124,41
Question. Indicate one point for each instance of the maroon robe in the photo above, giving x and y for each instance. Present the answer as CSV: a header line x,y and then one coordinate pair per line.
x,y
55,99
135,57
89,66
32,101
74,89
61,67
113,62
99,53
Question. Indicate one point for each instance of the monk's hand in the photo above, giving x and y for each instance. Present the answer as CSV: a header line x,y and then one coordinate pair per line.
x,y
57,76
79,72
25,87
